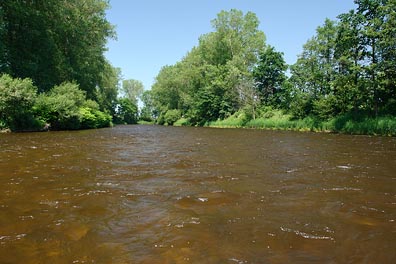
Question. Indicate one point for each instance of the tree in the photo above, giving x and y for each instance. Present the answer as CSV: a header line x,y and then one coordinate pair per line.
x,y
387,46
148,112
206,84
127,111
314,72
348,53
132,89
269,76
378,38
166,91
54,41
365,53
107,90
237,36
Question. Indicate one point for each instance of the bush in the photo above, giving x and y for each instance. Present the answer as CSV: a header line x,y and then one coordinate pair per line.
x,y
17,96
93,118
61,106
65,108
171,116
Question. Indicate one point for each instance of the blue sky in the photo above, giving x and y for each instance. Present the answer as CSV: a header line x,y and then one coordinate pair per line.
x,y
155,33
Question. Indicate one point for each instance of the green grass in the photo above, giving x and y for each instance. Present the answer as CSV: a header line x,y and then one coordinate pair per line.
x,y
347,124
234,121
385,125
143,122
182,122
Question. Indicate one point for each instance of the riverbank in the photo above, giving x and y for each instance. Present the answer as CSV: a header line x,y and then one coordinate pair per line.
x,y
346,124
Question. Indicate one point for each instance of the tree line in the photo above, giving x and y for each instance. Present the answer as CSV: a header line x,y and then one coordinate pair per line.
x,y
347,69
53,72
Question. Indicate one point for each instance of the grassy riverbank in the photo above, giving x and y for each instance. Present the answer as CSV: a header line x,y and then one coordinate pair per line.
x,y
347,124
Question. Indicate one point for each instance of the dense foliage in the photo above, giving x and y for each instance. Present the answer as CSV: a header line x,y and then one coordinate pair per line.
x,y
52,60
17,98
53,73
208,83
346,71
55,41
63,107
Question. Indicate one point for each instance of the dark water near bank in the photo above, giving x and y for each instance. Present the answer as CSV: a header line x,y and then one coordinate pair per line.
x,y
150,194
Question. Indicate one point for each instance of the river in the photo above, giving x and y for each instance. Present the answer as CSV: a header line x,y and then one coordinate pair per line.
x,y
155,194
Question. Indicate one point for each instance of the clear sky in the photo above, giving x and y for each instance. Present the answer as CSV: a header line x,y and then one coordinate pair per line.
x,y
155,33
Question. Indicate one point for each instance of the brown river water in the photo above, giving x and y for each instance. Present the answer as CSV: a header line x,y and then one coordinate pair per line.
x,y
153,194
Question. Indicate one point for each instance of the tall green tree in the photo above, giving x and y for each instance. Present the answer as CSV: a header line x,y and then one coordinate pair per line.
x,y
269,76
54,41
315,73
314,69
365,53
206,84
387,46
371,34
107,90
132,89
349,55
148,112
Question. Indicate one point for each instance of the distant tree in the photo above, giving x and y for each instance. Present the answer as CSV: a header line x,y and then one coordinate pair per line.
x,y
132,89
148,112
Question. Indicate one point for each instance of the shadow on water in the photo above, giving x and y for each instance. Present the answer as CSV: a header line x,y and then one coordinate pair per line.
x,y
152,194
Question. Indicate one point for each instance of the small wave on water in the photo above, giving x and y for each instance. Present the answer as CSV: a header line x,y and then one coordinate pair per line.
x,y
306,235
342,189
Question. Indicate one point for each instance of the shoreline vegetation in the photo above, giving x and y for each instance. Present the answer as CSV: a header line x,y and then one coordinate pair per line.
x,y
278,120
53,71
344,80
376,126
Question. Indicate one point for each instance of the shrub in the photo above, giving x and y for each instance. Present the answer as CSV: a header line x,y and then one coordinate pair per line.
x,y
17,96
66,108
102,119
61,106
171,116
182,122
93,118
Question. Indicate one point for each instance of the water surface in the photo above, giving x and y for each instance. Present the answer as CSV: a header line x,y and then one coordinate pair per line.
x,y
152,194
